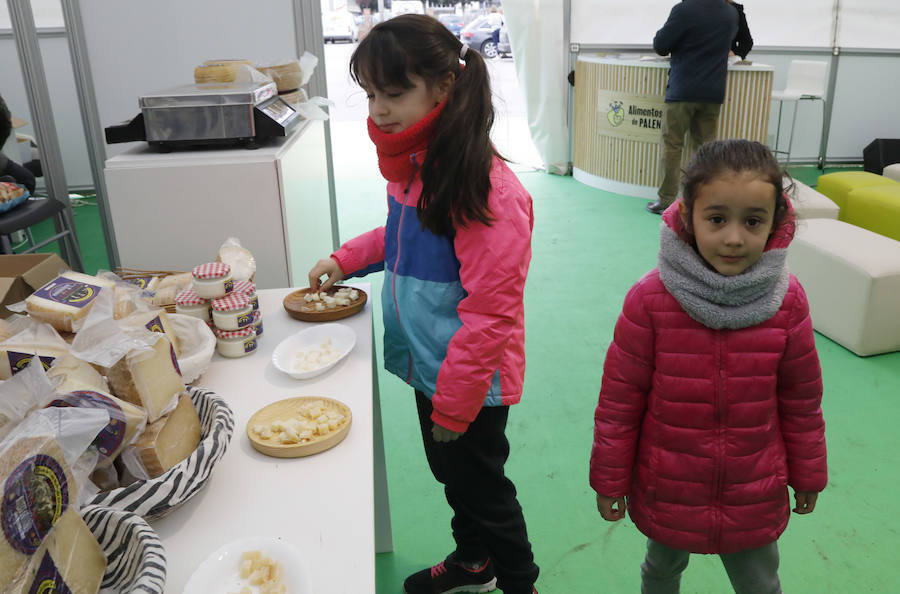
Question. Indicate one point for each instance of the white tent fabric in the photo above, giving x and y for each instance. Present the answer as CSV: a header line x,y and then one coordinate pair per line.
x,y
536,36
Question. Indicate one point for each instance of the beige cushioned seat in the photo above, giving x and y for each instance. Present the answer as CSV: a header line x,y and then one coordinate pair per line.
x,y
810,204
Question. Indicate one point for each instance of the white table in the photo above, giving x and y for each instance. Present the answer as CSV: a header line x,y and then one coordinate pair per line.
x,y
172,211
332,506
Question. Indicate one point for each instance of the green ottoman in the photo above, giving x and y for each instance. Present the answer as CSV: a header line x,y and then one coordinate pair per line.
x,y
837,185
876,208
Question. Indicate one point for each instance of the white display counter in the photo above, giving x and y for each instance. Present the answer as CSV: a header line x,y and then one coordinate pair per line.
x,y
332,506
172,211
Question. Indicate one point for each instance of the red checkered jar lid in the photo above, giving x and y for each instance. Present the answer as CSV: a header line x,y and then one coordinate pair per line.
x,y
242,333
256,316
245,287
211,271
189,297
231,302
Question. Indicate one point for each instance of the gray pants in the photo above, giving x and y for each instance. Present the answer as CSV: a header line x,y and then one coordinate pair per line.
x,y
751,572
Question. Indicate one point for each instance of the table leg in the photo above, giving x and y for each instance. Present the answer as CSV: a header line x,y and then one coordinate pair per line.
x,y
384,539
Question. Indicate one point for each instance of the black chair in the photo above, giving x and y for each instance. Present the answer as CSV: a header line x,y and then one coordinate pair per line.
x,y
31,212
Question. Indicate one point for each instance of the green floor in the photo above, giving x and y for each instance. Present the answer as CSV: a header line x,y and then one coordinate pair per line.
x,y
589,247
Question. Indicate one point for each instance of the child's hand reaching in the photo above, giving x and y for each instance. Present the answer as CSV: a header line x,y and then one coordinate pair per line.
x,y
328,267
611,508
806,501
442,434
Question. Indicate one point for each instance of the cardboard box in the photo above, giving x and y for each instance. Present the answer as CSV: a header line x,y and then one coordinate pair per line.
x,y
22,274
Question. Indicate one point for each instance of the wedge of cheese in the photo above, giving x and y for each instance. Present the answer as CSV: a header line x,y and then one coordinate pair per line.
x,y
148,378
166,442
68,560
66,299
156,320
126,420
75,374
38,487
15,357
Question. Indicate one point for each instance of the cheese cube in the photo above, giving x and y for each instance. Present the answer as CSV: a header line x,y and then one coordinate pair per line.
x,y
66,299
167,441
149,379
156,320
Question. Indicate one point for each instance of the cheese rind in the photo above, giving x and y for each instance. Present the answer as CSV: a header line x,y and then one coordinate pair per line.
x,y
150,379
167,441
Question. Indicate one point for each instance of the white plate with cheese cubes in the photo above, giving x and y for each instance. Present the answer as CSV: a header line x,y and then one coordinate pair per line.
x,y
314,351
253,565
300,426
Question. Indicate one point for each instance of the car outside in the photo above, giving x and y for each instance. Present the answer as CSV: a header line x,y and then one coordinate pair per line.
x,y
478,35
399,7
339,25
453,22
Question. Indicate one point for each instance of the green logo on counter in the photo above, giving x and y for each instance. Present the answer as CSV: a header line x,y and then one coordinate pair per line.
x,y
616,114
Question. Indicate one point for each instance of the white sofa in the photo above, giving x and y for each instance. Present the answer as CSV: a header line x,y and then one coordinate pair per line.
x,y
892,171
852,279
810,204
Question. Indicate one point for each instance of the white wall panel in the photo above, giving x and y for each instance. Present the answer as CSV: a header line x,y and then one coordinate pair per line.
x,y
869,24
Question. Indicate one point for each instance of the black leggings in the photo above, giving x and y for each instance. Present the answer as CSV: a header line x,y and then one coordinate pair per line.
x,y
487,518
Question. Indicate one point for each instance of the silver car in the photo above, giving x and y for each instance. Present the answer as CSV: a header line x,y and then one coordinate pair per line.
x,y
479,35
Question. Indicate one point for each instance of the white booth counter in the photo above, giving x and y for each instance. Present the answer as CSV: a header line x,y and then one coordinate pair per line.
x,y
332,506
172,211
619,104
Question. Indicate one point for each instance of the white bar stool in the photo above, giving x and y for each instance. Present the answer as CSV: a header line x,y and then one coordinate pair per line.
x,y
805,82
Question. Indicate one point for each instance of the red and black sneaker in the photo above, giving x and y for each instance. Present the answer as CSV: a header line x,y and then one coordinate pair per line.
x,y
450,576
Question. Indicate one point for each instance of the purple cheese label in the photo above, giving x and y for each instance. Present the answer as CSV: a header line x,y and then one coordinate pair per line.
x,y
35,495
174,359
19,361
141,281
249,345
155,325
48,579
229,285
110,437
244,320
259,329
69,292
255,303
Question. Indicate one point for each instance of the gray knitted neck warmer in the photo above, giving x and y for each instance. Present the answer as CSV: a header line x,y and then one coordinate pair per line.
x,y
719,301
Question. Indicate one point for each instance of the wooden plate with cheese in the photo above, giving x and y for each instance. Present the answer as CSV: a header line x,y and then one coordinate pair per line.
x,y
300,426
325,306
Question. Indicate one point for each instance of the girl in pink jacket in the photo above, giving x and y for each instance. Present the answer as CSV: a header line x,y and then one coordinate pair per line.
x,y
455,253
710,400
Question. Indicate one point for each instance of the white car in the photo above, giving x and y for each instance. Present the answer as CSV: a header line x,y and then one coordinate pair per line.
x,y
399,7
339,25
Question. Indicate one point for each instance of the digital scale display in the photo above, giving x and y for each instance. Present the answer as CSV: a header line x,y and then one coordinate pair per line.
x,y
279,111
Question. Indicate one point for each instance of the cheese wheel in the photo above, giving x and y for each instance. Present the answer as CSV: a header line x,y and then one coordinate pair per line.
x,y
156,320
151,379
68,560
168,441
37,487
66,299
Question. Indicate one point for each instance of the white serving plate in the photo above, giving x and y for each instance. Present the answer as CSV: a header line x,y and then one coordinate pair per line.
x,y
343,339
221,571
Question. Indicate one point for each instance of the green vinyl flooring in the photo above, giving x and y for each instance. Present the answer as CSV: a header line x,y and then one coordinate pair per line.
x,y
589,246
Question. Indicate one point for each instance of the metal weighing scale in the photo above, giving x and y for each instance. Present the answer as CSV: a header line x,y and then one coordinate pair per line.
x,y
242,114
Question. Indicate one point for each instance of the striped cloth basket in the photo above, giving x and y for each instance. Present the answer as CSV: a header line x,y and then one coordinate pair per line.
x,y
135,559
155,498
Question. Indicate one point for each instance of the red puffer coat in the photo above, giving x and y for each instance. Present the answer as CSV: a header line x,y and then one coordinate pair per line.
x,y
702,429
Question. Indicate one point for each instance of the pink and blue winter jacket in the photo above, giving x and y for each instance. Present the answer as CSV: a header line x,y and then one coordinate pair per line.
x,y
452,305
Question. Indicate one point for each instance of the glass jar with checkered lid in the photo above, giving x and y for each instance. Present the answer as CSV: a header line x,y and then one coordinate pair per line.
x,y
232,312
189,303
249,289
236,343
212,280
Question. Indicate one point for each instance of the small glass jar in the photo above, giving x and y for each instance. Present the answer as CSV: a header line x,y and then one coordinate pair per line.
x,y
249,289
232,312
257,322
212,280
187,302
236,343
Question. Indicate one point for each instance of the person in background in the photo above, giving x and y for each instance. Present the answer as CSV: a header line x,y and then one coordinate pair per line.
x,y
455,252
743,41
495,20
698,36
9,168
710,402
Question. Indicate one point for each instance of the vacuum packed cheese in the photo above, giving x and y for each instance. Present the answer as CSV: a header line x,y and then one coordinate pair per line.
x,y
38,487
156,320
125,420
66,299
149,378
75,374
165,442
15,357
68,560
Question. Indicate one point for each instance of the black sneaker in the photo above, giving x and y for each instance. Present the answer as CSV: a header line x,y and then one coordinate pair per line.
x,y
656,207
450,576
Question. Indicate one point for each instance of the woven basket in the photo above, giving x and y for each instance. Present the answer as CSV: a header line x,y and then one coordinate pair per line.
x,y
157,497
133,273
135,558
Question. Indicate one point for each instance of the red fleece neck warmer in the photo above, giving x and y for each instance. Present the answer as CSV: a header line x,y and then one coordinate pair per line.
x,y
395,150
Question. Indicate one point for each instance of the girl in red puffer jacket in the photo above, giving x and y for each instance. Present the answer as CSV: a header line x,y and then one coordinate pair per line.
x,y
710,400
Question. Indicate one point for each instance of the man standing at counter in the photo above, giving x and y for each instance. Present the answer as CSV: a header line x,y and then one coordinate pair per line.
x,y
698,35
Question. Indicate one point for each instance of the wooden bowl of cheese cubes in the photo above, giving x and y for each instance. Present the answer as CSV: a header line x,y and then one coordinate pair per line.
x,y
325,306
300,426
